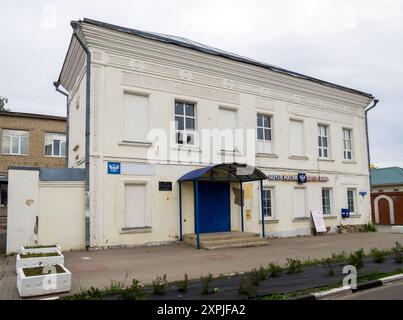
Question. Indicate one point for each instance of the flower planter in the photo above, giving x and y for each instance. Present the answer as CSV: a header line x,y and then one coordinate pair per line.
x,y
38,285
39,261
45,249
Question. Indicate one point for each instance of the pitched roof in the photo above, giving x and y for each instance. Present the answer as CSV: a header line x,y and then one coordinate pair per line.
x,y
387,176
190,44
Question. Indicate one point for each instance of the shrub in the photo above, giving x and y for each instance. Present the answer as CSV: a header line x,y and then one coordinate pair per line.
x,y
357,259
294,265
115,287
379,255
397,252
134,292
206,283
183,285
274,270
246,288
337,257
369,227
88,294
329,267
160,284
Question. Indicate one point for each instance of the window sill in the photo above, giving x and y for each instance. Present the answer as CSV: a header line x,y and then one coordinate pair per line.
x,y
179,147
135,230
350,161
301,219
15,155
136,144
269,221
298,158
230,152
58,157
326,159
356,215
329,216
266,155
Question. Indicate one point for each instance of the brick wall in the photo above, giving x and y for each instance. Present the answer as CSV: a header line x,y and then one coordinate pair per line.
x,y
37,128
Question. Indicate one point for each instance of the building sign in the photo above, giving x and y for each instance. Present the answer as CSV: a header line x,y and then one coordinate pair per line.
x,y
113,167
165,186
297,177
318,221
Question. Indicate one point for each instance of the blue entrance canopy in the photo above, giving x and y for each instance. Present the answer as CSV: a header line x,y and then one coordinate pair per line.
x,y
235,172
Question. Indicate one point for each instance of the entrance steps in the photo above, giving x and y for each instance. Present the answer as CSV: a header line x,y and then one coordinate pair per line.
x,y
226,240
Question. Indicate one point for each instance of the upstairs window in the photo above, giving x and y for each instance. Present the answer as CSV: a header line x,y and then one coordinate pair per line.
x,y
15,142
185,120
347,144
264,133
55,145
323,141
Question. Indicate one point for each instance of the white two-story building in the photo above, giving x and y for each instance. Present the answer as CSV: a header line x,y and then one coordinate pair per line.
x,y
165,124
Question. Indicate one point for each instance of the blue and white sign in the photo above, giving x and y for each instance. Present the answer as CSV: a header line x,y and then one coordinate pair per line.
x,y
113,167
301,177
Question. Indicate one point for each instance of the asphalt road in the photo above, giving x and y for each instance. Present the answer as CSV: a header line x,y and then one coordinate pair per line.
x,y
391,291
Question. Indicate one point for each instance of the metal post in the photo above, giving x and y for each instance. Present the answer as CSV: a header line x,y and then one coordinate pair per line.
x,y
261,206
242,223
196,199
180,212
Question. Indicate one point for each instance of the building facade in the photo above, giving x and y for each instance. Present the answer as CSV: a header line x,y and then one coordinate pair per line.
x,y
32,140
387,195
152,100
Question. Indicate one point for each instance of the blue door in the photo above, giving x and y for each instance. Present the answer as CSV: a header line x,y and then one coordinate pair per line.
x,y
214,207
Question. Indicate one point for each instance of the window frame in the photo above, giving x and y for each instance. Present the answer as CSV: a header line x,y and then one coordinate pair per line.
x,y
353,192
185,132
53,148
268,215
264,128
11,136
321,148
345,140
330,202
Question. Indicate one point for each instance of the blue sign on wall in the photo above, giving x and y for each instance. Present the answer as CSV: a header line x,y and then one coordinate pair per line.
x,y
113,167
301,177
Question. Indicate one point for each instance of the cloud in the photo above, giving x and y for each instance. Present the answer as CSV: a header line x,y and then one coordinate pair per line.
x,y
353,43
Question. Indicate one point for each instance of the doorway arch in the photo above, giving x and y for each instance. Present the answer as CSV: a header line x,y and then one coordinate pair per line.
x,y
391,209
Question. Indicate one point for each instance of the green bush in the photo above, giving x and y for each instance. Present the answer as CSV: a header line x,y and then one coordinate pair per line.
x,y
274,270
246,287
397,252
357,259
160,284
134,292
294,266
338,257
329,267
378,255
183,285
206,284
88,294
369,227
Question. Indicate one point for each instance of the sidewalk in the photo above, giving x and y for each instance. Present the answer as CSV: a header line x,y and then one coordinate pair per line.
x,y
98,268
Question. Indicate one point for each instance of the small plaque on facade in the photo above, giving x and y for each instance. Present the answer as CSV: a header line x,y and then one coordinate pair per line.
x,y
113,167
165,186
301,177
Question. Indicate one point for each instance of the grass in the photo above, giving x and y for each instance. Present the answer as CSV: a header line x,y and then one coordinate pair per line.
x,y
206,284
378,255
183,285
160,284
369,227
357,258
39,271
397,252
294,266
39,255
40,246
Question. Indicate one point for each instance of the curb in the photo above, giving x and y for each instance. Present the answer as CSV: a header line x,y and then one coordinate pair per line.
x,y
348,290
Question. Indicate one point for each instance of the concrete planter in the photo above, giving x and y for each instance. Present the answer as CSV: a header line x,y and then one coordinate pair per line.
x,y
43,284
55,248
39,261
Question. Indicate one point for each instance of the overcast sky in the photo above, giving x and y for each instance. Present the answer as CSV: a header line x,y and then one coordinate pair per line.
x,y
358,44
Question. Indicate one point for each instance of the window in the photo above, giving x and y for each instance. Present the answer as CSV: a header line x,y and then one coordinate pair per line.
x,y
326,201
3,194
268,203
323,141
15,142
296,138
136,211
351,200
347,143
264,133
227,122
55,145
185,120
135,121
299,204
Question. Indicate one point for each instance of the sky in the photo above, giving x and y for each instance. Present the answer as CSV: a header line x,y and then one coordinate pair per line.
x,y
358,44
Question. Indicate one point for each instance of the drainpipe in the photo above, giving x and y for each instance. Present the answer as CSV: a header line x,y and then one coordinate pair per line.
x,y
76,33
57,85
374,103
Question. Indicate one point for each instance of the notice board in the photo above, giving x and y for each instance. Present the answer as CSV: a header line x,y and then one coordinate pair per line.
x,y
318,221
